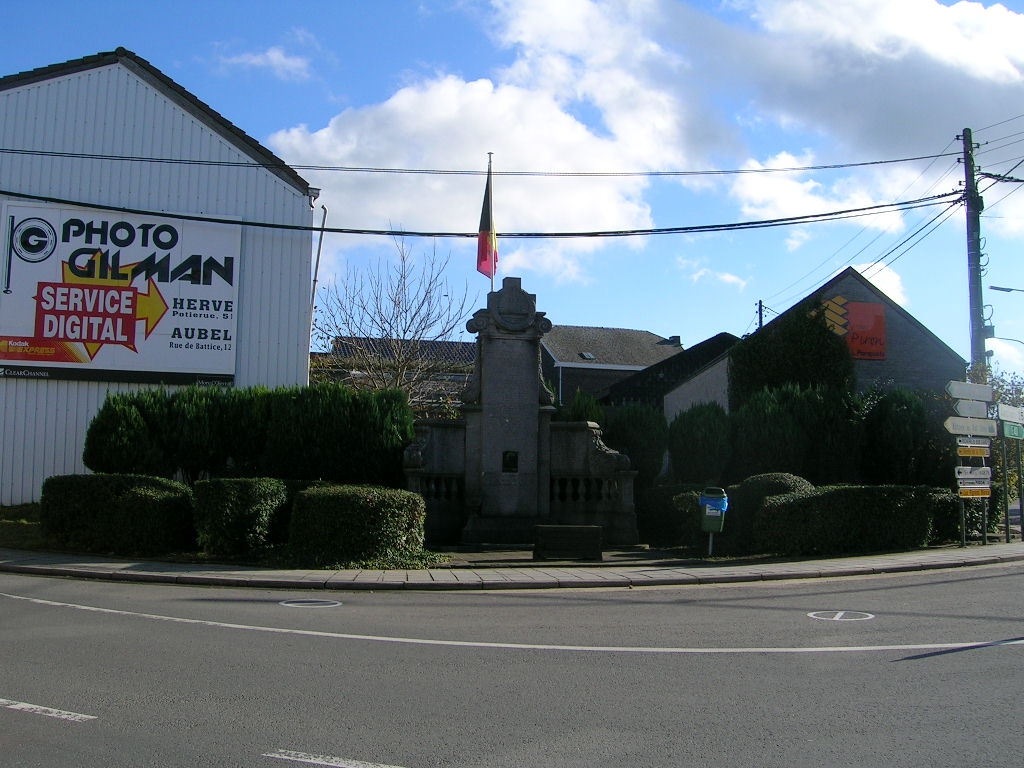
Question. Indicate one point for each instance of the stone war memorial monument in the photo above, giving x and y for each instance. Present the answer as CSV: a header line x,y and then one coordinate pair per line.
x,y
506,467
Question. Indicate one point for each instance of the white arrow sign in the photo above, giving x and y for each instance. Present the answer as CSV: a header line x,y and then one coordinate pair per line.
x,y
1011,413
967,391
973,482
973,408
977,442
958,425
974,472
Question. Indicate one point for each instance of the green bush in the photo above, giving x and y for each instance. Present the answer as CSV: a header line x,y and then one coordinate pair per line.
x,y
244,421
699,444
660,520
745,502
810,432
337,525
844,520
327,432
334,433
119,440
196,442
234,516
797,349
640,432
117,514
582,407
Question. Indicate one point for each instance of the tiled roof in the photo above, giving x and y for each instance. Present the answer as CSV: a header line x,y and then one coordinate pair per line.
x,y
175,93
652,384
457,354
580,345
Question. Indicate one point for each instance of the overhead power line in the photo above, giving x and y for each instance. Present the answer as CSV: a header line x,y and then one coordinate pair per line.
x,y
443,172
946,198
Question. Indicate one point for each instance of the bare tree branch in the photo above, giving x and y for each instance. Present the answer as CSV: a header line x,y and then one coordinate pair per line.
x,y
394,327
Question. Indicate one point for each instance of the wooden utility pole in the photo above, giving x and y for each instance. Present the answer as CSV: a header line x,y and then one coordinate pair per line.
x,y
974,205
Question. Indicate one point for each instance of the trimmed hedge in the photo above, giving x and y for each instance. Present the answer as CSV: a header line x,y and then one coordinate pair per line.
x,y
234,516
746,500
340,524
845,519
323,432
120,514
662,519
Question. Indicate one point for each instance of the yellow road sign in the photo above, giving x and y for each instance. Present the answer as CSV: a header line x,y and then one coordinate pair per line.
x,y
976,493
970,450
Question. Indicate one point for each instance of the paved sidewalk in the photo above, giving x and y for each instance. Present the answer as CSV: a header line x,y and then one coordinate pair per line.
x,y
507,570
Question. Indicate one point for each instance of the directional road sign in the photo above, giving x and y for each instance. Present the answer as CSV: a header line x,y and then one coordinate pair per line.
x,y
974,442
968,391
974,472
970,450
1009,413
974,482
973,408
958,425
975,493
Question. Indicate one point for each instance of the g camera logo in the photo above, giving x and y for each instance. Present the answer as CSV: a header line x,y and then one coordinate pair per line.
x,y
33,240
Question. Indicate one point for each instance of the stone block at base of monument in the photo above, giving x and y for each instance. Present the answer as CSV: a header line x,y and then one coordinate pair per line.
x,y
567,542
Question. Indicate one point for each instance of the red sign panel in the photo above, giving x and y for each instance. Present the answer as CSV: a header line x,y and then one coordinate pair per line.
x,y
865,330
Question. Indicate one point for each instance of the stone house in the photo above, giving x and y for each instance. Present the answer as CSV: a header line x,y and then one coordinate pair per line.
x,y
591,360
890,348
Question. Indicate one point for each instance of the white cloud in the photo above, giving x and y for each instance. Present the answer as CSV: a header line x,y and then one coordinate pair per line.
x,y
703,274
1008,355
283,66
782,195
886,279
967,36
665,86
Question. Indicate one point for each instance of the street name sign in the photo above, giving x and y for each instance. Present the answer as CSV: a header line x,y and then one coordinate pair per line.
x,y
975,493
1010,413
973,482
974,472
973,408
965,390
959,425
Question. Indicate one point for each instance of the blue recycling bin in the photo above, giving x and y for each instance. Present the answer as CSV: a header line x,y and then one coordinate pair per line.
x,y
713,504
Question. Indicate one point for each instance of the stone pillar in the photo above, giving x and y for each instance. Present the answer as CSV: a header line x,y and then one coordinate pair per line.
x,y
507,411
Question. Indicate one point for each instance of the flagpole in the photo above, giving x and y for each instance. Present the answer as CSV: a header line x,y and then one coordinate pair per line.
x,y
490,214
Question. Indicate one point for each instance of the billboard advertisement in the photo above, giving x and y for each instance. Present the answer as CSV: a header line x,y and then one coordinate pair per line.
x,y
861,323
108,296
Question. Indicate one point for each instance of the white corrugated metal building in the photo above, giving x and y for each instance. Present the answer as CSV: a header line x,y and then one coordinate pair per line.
x,y
114,276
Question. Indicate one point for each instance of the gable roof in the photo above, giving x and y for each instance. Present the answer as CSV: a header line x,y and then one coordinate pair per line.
x,y
652,384
451,354
585,346
823,293
173,92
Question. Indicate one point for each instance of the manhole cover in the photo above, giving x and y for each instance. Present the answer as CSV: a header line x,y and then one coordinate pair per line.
x,y
310,603
841,615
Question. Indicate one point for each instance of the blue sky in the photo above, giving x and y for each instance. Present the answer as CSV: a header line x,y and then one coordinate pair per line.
x,y
630,86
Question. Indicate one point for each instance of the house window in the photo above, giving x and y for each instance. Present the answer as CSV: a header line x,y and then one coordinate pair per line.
x,y
510,461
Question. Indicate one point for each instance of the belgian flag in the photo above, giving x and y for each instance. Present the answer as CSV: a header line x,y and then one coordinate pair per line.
x,y
487,241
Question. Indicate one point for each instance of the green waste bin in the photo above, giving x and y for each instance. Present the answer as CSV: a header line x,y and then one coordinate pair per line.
x,y
713,504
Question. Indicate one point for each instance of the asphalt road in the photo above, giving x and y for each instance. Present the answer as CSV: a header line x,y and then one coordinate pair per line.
x,y
902,670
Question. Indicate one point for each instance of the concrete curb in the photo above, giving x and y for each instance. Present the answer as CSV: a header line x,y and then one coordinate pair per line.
x,y
500,577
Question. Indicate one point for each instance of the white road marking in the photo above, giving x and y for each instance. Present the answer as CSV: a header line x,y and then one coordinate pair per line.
x,y
310,603
35,709
326,760
841,615
522,646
